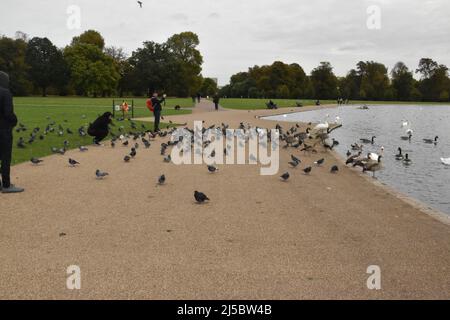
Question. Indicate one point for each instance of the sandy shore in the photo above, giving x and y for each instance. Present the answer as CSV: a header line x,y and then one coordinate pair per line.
x,y
310,238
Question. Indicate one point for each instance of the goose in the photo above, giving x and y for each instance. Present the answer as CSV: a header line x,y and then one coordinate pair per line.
x,y
367,141
361,162
399,156
405,123
431,141
348,153
352,159
357,147
407,160
373,166
446,161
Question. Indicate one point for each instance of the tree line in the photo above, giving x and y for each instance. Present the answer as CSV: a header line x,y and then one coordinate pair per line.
x,y
368,81
87,67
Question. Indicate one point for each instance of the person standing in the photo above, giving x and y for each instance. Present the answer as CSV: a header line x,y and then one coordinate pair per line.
x,y
216,100
8,121
100,128
199,97
157,109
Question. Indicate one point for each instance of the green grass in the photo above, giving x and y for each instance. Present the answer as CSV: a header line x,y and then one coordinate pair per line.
x,y
72,113
254,104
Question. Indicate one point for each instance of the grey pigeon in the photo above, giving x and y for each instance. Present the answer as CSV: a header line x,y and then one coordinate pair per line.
x,y
73,162
36,161
100,175
162,180
200,197
285,176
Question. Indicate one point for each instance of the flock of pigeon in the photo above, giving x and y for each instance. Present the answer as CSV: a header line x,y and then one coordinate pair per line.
x,y
294,138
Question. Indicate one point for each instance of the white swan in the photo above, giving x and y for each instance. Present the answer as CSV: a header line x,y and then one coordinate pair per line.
x,y
405,123
322,126
446,161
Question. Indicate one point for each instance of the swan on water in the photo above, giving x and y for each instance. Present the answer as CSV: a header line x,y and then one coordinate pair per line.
x,y
446,161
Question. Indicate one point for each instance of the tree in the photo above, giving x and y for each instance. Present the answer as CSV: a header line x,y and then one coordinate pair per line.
x,y
90,37
374,81
434,82
92,71
402,82
45,61
12,61
183,47
209,87
324,81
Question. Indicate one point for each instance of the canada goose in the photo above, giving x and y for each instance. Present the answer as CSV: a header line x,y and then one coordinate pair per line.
x,y
407,160
373,166
399,156
367,141
431,141
352,159
361,162
349,154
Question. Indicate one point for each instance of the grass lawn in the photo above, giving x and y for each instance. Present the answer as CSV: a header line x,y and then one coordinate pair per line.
x,y
253,104
71,113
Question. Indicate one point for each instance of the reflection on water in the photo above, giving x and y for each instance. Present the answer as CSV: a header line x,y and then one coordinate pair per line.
x,y
426,179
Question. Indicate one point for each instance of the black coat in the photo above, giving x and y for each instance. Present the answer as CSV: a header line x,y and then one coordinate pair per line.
x,y
156,103
8,119
102,123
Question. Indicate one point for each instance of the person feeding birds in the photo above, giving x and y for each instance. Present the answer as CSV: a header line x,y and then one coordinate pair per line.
x,y
154,105
99,129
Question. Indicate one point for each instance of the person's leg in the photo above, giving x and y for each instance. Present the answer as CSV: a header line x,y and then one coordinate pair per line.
x,y
5,153
100,135
157,120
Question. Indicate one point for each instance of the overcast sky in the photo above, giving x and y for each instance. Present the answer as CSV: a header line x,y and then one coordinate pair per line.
x,y
237,34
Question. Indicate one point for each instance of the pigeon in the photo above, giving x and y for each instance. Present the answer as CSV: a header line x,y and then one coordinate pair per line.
x,y
295,159
125,143
294,164
285,176
36,161
127,159
21,143
100,175
133,152
307,170
113,144
334,169
83,149
168,159
73,162
320,162
162,179
200,197
212,169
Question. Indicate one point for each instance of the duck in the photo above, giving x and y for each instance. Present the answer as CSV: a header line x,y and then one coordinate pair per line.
x,y
357,147
431,141
407,160
373,166
399,156
367,141
408,137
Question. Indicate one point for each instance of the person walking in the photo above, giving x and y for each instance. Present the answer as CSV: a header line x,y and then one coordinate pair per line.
x,y
100,128
216,100
8,120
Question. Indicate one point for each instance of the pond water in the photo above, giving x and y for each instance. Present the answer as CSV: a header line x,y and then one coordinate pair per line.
x,y
426,178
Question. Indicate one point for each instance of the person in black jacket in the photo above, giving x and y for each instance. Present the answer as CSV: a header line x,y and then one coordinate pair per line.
x,y
216,100
157,109
8,121
99,129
